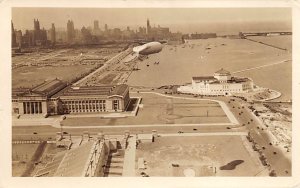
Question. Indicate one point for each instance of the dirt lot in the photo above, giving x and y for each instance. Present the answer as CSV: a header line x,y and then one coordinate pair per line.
x,y
33,68
31,76
22,154
171,156
162,110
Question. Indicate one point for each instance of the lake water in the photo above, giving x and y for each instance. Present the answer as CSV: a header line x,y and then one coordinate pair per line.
x,y
178,64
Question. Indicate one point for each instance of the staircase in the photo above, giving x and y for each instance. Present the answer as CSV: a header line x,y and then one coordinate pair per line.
x,y
114,165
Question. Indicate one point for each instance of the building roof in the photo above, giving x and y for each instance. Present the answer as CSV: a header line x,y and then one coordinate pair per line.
x,y
201,78
233,80
45,89
74,161
222,72
105,91
238,80
47,86
16,92
120,90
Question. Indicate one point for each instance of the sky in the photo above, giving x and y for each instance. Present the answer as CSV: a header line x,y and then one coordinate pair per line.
x,y
186,20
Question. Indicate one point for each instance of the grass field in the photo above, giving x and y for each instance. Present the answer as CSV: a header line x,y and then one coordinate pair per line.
x,y
23,152
21,155
203,154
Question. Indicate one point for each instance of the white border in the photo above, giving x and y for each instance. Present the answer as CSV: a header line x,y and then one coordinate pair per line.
x,y
5,101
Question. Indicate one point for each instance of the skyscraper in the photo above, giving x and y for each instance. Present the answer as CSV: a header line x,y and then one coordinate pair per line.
x,y
96,25
13,36
19,38
36,24
148,27
70,31
53,34
39,36
96,30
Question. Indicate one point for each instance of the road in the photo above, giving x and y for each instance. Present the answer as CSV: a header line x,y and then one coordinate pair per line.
x,y
277,161
110,64
45,132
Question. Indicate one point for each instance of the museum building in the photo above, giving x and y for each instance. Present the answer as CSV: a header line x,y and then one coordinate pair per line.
x,y
56,97
221,83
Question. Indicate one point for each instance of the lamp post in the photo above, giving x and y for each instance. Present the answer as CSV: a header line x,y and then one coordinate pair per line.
x,y
61,131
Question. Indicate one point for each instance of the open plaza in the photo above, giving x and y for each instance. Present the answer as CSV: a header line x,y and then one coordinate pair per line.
x,y
203,155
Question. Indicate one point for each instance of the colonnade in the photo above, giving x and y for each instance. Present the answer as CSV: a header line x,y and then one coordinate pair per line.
x,y
84,106
32,107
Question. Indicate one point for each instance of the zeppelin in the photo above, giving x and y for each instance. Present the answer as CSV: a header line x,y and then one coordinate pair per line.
x,y
148,48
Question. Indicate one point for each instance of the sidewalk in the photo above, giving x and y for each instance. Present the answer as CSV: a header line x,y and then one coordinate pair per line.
x,y
151,125
207,134
129,158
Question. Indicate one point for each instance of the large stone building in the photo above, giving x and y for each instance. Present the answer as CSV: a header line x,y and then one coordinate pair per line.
x,y
221,83
39,35
70,31
56,97
95,99
35,37
13,36
52,34
37,100
157,33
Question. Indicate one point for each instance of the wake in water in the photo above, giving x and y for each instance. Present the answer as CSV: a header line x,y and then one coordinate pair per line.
x,y
262,66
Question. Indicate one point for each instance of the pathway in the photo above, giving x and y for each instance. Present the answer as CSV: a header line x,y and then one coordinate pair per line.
x,y
129,158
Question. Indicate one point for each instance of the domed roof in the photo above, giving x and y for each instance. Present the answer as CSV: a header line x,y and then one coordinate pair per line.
x,y
222,72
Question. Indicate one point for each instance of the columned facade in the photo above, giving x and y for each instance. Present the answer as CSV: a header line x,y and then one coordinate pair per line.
x,y
31,107
54,97
84,105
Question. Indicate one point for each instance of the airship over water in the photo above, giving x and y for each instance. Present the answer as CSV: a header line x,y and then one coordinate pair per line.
x,y
148,48
141,52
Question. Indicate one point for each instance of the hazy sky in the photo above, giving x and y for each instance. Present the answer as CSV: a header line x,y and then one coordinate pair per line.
x,y
183,20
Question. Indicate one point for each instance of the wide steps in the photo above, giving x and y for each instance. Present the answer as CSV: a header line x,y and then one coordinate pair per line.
x,y
113,171
116,160
112,175
114,165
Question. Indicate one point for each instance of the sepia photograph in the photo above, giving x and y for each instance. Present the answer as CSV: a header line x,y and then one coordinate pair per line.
x,y
151,91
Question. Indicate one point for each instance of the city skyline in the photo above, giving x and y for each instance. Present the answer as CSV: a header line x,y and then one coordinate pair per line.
x,y
178,20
